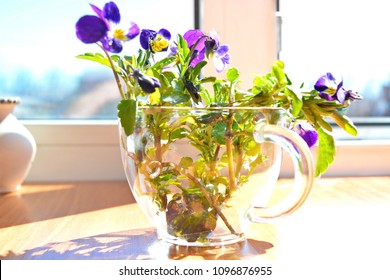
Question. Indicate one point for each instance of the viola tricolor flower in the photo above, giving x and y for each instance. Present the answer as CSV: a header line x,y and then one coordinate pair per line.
x,y
208,46
219,53
105,28
331,89
308,133
196,39
155,41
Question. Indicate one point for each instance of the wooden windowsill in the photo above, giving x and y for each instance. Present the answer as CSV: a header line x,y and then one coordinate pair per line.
x,y
343,218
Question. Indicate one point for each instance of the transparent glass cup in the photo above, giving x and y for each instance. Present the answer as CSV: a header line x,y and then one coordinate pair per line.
x,y
203,175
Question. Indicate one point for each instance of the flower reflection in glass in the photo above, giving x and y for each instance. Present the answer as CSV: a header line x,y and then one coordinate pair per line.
x,y
308,133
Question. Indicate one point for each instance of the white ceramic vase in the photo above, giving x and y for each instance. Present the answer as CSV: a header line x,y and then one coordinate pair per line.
x,y
17,147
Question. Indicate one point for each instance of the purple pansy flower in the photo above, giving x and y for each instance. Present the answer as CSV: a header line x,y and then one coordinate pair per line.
x,y
155,41
207,46
197,37
331,89
104,28
308,133
219,53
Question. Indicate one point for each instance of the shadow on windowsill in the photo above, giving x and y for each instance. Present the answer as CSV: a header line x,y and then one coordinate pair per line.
x,y
141,244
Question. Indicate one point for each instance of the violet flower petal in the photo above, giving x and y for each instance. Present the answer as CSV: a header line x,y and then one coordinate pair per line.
x,y
197,57
165,33
327,96
145,37
218,64
111,12
191,36
341,95
98,11
111,45
226,58
352,95
133,31
173,49
90,29
214,35
325,82
222,51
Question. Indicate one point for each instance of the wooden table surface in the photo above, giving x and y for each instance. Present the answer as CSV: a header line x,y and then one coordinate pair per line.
x,y
343,219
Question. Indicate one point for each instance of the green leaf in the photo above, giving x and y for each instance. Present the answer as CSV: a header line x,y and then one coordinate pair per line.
x,y
115,57
207,80
345,123
167,77
183,50
252,148
186,162
232,75
326,151
220,180
127,112
296,101
278,72
121,63
175,94
218,132
209,118
178,134
324,124
97,57
175,97
163,62
198,67
129,59
200,167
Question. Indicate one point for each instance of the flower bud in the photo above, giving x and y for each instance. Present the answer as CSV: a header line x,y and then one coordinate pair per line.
x,y
147,83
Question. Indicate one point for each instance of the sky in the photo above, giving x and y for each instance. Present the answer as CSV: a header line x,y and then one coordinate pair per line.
x,y
40,34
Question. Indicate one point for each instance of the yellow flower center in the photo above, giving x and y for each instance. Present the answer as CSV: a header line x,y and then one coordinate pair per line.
x,y
120,34
159,43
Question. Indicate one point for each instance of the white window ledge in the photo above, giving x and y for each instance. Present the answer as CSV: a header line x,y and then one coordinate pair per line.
x,y
89,150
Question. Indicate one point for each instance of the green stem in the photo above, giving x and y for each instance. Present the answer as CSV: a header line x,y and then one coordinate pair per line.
x,y
157,144
155,121
215,158
118,82
229,143
239,160
229,152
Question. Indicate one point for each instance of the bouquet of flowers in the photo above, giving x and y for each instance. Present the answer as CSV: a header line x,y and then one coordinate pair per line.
x,y
176,80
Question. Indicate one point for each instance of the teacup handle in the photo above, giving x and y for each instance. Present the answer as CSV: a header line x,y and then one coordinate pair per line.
x,y
303,164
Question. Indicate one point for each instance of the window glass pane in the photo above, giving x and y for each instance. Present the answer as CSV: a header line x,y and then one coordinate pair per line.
x,y
347,38
38,46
